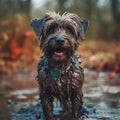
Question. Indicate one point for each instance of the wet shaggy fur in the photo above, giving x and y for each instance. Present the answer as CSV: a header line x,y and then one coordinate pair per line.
x,y
59,42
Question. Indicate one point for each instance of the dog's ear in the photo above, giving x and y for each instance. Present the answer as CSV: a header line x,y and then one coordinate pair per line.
x,y
38,25
83,28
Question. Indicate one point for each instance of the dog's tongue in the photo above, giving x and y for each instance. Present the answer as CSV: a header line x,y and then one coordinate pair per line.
x,y
60,53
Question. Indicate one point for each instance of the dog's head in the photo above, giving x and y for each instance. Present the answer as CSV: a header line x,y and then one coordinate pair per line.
x,y
59,34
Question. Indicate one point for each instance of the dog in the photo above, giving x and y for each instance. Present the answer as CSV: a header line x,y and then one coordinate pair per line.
x,y
60,72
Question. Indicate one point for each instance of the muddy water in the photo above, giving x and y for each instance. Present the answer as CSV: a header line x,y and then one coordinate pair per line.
x,y
101,94
101,99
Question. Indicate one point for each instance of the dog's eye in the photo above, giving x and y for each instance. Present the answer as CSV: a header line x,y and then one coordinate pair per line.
x,y
51,30
69,29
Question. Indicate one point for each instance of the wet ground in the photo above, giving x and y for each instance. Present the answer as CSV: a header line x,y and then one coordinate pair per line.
x,y
19,97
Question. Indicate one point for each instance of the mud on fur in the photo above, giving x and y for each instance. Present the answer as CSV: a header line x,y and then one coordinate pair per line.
x,y
60,71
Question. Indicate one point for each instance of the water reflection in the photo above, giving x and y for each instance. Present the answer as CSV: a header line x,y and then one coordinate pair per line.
x,y
22,97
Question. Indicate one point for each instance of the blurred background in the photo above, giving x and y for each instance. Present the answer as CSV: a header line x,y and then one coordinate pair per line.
x,y
20,53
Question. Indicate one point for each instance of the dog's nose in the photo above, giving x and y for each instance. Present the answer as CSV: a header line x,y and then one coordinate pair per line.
x,y
60,40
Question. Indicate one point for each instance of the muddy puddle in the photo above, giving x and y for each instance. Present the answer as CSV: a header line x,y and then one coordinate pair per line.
x,y
19,98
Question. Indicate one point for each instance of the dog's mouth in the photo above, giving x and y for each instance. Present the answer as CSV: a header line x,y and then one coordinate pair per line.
x,y
59,54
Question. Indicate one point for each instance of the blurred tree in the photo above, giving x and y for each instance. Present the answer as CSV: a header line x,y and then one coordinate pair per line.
x,y
61,5
115,7
104,18
25,7
11,7
91,7
104,21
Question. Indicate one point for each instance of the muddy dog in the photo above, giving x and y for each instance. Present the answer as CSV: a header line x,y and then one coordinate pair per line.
x,y
60,73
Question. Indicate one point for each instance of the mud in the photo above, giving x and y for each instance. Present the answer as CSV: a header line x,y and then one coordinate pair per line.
x,y
35,113
101,99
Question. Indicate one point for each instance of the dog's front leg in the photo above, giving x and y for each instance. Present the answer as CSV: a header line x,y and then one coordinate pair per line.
x,y
47,104
76,101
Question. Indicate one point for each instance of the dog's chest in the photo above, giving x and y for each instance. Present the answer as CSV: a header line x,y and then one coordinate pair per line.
x,y
68,80
55,86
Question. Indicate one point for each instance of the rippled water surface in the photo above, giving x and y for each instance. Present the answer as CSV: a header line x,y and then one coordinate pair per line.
x,y
101,98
